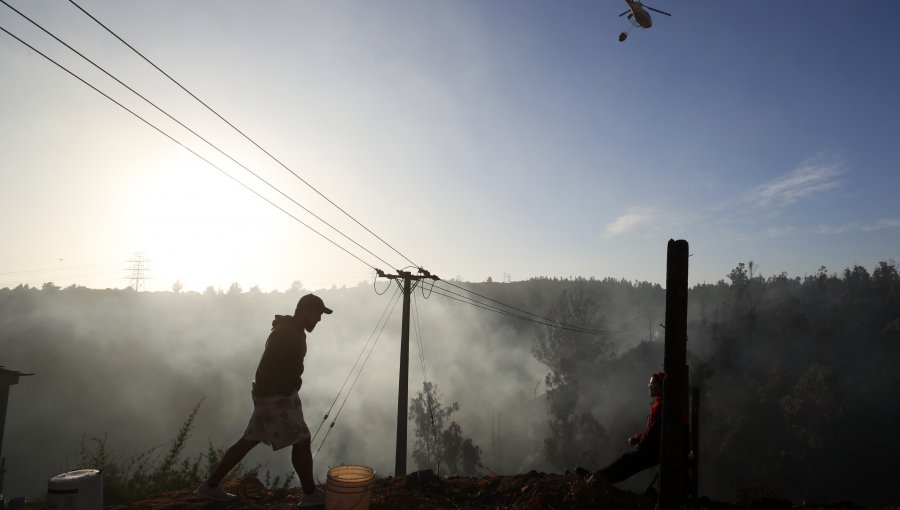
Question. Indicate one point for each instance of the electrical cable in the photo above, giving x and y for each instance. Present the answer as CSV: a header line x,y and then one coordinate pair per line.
x,y
429,292
562,325
419,336
586,330
240,132
214,146
104,276
425,384
491,308
350,373
543,321
53,269
353,385
142,119
375,287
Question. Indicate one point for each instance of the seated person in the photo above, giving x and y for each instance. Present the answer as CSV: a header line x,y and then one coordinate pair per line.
x,y
646,443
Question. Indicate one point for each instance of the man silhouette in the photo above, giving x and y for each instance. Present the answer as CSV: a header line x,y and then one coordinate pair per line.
x,y
277,417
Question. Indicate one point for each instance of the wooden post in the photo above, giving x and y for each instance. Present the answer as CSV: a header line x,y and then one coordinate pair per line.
x,y
4,399
403,389
7,379
409,283
673,453
695,443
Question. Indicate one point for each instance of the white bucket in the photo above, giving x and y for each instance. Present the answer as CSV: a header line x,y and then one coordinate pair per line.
x,y
349,488
76,490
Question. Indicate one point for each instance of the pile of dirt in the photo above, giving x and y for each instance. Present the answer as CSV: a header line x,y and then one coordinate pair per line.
x,y
425,491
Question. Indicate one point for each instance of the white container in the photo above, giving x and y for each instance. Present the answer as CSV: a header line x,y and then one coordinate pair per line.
x,y
76,490
349,488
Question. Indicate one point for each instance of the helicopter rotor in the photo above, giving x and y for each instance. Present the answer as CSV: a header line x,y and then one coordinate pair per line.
x,y
657,10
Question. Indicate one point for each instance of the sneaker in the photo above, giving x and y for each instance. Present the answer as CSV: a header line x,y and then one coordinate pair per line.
x,y
598,479
312,500
214,493
582,473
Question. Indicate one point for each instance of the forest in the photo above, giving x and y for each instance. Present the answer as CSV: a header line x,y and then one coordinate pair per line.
x,y
798,378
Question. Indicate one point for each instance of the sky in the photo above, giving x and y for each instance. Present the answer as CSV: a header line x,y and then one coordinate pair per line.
x,y
502,139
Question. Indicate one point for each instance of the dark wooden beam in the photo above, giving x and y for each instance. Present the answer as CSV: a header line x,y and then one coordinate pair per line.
x,y
673,455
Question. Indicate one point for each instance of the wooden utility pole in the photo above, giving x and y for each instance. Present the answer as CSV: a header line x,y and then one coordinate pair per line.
x,y
673,454
7,379
695,443
410,282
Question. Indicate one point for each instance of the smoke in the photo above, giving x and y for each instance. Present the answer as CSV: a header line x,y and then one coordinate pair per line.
x,y
130,367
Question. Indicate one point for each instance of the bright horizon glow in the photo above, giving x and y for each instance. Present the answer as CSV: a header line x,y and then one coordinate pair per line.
x,y
478,139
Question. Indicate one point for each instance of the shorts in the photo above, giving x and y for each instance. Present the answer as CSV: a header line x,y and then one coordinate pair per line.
x,y
277,421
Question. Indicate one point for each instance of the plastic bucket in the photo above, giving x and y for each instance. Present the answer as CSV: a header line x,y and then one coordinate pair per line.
x,y
76,490
349,488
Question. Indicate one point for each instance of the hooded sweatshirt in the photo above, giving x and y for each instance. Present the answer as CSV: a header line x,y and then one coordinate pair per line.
x,y
281,366
650,437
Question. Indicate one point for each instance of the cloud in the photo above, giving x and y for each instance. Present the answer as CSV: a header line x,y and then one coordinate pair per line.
x,y
856,227
882,224
780,231
630,221
836,229
802,182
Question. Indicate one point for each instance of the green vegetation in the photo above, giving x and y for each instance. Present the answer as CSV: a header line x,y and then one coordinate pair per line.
x,y
572,359
161,468
798,378
440,446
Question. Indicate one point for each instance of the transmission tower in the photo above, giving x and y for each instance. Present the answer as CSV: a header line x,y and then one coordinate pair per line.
x,y
138,268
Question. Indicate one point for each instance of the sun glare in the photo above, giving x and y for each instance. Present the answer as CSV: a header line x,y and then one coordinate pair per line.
x,y
196,225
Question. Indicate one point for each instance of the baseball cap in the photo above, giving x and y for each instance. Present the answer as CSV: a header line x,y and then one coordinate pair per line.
x,y
312,302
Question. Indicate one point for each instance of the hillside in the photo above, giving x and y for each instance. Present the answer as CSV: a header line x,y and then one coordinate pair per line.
x,y
794,377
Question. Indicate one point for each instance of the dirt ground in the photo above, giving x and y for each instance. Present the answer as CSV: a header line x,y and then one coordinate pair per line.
x,y
424,490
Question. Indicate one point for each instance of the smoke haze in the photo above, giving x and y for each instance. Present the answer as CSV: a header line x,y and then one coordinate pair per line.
x,y
778,355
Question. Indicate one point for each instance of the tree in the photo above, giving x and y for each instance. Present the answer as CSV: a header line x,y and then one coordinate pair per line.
x,y
886,272
858,274
255,290
573,359
439,446
738,275
177,287
209,291
235,288
296,287
812,405
49,287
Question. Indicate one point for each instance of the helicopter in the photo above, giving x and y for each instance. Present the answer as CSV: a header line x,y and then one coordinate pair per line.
x,y
638,16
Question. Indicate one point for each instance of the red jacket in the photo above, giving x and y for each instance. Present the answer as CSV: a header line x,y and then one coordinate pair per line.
x,y
650,437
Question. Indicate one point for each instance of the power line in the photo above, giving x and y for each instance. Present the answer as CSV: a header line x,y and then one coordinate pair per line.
x,y
544,321
491,308
53,269
567,326
185,147
164,112
353,385
349,374
419,338
425,386
547,320
95,276
240,132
